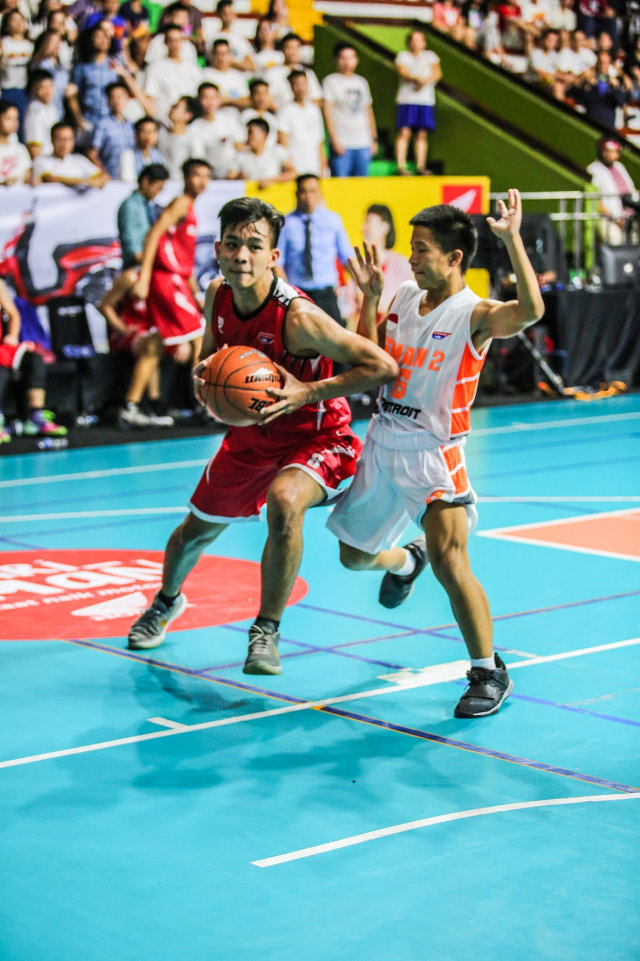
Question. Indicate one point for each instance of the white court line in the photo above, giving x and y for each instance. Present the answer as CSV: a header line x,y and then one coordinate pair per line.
x,y
129,512
554,498
179,465
556,522
439,819
113,472
423,679
572,548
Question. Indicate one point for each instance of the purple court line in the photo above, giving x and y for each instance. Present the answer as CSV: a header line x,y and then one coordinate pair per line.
x,y
363,718
484,751
574,710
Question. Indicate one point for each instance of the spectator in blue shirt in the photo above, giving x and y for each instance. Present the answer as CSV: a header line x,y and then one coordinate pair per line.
x,y
114,134
144,152
312,240
92,76
138,212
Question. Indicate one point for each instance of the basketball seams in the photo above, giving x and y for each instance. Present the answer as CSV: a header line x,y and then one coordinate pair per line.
x,y
227,394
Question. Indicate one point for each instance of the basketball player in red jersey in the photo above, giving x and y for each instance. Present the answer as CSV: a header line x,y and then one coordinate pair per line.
x,y
302,450
167,280
131,332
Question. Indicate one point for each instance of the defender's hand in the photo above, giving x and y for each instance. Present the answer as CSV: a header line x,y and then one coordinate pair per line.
x,y
510,217
367,271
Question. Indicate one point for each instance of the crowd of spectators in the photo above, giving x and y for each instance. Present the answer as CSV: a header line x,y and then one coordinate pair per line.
x,y
585,53
197,87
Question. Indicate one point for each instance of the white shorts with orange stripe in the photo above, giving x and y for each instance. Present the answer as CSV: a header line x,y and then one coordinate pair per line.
x,y
392,487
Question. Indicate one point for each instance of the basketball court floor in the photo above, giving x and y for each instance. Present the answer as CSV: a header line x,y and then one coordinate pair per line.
x,y
164,806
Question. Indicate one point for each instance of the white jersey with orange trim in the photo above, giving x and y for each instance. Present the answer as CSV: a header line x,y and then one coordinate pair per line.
x,y
428,404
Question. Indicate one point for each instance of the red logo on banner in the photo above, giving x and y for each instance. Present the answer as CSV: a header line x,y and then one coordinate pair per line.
x,y
467,197
89,594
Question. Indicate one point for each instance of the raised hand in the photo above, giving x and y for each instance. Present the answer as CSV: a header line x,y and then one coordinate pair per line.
x,y
366,271
510,217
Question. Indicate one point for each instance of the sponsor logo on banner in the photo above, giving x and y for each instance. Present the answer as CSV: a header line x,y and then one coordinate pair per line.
x,y
48,595
467,197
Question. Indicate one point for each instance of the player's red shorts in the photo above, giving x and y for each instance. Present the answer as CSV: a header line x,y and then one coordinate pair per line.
x,y
235,482
128,340
173,308
11,354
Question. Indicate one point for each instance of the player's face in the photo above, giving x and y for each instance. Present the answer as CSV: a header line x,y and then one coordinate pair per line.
x,y
245,254
197,181
430,264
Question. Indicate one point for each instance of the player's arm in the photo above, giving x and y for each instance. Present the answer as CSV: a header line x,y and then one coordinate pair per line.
x,y
108,306
170,216
309,332
366,271
12,314
209,344
491,318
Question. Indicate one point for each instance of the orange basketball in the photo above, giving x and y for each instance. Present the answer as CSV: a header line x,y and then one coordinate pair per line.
x,y
236,381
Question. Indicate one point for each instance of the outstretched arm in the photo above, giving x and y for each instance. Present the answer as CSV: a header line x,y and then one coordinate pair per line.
x,y
170,216
491,318
367,273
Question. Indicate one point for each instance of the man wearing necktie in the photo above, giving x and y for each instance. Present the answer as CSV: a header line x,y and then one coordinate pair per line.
x,y
313,239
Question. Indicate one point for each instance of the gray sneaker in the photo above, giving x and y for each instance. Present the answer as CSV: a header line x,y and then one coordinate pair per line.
x,y
132,416
396,588
150,628
263,657
161,420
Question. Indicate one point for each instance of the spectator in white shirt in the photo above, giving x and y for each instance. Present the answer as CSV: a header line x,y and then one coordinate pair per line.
x,y
278,77
15,52
261,103
264,52
157,49
562,16
168,79
543,60
419,71
261,163
241,52
232,84
175,140
214,134
41,113
15,162
349,116
302,129
63,166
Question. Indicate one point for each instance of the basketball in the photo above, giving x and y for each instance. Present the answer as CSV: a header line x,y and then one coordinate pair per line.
x,y
235,384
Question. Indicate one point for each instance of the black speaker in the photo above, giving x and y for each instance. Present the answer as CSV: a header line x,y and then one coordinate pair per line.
x,y
620,266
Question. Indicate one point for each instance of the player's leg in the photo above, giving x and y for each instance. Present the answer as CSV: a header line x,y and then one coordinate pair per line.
x,y
184,549
291,494
39,420
402,566
446,530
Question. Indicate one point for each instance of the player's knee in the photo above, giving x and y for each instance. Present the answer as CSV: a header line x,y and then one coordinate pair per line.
x,y
353,559
285,509
449,563
193,533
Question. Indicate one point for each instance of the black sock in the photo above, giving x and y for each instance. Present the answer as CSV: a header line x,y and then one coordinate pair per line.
x,y
267,623
167,599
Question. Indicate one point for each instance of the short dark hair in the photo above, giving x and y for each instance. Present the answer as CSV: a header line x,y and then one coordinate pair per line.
x,y
339,47
296,73
308,176
451,228
290,36
61,125
257,82
153,172
192,162
221,4
206,85
37,76
172,26
261,124
116,85
146,119
220,42
384,213
6,105
248,210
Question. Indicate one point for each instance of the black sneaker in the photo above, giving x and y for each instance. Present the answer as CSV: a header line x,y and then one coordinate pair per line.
x,y
396,588
263,657
486,692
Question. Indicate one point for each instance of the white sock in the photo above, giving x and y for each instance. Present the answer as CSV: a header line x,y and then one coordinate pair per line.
x,y
409,565
488,663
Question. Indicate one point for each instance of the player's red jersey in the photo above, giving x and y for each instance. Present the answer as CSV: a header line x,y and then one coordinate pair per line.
x,y
177,247
133,312
265,329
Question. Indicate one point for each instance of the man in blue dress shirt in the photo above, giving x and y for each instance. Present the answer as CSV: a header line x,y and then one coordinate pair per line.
x,y
312,240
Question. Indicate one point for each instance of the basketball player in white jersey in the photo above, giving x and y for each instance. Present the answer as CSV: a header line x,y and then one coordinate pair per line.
x,y
413,466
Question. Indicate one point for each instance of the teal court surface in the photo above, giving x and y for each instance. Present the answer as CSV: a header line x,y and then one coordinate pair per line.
x,y
163,806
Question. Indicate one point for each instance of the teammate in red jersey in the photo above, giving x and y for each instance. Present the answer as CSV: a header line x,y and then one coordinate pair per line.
x,y
300,452
132,332
167,279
